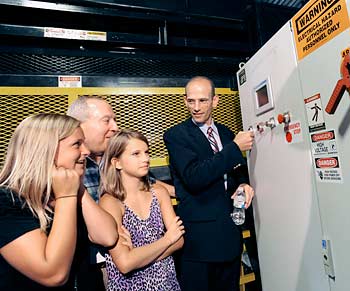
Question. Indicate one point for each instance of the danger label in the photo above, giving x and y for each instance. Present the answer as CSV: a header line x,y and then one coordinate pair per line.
x,y
327,163
314,112
324,143
328,170
322,136
69,81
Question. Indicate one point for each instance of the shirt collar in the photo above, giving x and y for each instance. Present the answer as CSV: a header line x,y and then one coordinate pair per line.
x,y
92,163
204,127
90,160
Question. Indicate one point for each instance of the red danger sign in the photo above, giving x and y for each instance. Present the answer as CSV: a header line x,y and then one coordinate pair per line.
x,y
327,135
70,79
327,162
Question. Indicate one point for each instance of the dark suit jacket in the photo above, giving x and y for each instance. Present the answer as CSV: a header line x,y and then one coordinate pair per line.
x,y
205,205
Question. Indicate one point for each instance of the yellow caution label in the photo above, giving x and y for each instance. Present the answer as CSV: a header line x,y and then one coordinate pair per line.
x,y
317,23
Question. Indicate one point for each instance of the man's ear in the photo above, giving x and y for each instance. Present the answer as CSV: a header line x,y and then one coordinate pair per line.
x,y
215,101
116,163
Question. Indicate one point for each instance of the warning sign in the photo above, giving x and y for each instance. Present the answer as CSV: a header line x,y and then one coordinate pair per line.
x,y
55,32
317,23
69,81
314,112
323,143
328,170
242,77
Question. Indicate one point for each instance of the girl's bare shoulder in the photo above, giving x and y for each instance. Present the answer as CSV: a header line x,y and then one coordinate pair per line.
x,y
109,202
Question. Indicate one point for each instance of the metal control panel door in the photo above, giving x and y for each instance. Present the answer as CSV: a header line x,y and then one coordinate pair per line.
x,y
286,208
325,73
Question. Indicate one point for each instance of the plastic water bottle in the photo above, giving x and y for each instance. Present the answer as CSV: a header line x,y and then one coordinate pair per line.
x,y
238,214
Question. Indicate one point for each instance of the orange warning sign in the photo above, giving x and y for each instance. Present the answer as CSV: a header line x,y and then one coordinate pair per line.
x,y
318,22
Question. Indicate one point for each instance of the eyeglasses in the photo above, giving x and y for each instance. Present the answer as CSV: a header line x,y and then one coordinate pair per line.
x,y
202,102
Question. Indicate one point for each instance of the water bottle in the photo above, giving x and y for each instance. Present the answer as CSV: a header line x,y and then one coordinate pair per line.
x,y
238,214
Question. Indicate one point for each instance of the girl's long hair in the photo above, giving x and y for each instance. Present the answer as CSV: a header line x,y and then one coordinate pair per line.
x,y
30,158
111,181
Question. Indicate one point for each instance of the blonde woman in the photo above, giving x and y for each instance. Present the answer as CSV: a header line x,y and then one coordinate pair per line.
x,y
40,187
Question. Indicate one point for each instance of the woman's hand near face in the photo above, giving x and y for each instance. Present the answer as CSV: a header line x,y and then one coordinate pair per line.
x,y
46,258
65,182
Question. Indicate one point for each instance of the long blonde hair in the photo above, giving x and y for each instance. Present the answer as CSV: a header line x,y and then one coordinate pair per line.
x,y
30,157
111,181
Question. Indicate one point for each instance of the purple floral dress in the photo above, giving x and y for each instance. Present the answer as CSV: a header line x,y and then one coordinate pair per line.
x,y
157,276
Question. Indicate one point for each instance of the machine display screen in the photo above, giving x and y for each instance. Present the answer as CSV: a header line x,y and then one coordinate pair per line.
x,y
263,97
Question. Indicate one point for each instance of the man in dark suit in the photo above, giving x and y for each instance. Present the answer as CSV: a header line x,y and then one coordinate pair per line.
x,y
206,168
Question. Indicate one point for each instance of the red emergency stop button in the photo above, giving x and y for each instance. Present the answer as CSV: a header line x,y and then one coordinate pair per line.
x,y
280,118
284,118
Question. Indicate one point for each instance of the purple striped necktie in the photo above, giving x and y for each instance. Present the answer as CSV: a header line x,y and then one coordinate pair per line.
x,y
212,140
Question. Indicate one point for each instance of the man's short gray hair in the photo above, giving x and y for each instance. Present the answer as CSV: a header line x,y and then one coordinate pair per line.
x,y
79,109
